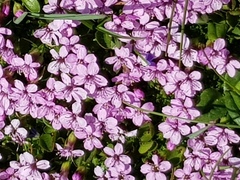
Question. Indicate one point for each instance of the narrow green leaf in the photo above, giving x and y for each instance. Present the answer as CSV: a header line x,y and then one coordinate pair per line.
x,y
89,24
67,16
236,99
235,13
104,30
104,40
199,132
21,18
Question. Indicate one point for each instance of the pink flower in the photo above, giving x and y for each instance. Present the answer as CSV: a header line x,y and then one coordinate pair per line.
x,y
68,151
191,84
173,130
181,108
88,76
16,133
116,157
29,68
123,58
70,89
141,117
221,137
155,170
28,166
59,63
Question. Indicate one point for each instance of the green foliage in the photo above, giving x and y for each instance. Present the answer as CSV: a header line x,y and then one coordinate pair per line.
x,y
176,156
147,147
47,141
207,98
146,132
32,5
217,30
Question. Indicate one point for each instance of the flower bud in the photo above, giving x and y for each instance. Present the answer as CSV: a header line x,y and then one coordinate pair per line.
x,y
65,167
17,9
71,139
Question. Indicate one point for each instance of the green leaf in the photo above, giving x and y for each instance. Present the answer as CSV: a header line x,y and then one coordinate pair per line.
x,y
145,147
175,156
211,31
203,19
146,132
232,104
47,142
233,81
67,16
232,20
207,97
48,130
221,29
234,4
235,13
236,99
236,31
104,40
21,18
32,5
212,115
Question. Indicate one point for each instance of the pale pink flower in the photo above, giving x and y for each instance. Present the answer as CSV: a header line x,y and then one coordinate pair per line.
x,y
28,166
173,130
89,77
116,157
155,170
68,151
18,134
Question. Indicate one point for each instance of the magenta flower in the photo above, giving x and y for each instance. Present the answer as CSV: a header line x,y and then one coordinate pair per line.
x,y
108,123
141,117
53,6
69,118
209,159
181,108
116,157
123,58
70,89
88,76
221,137
174,79
50,35
122,94
29,68
93,135
59,63
155,170
188,55
191,84
173,130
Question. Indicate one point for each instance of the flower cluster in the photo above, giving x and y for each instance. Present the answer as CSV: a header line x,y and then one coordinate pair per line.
x,y
99,114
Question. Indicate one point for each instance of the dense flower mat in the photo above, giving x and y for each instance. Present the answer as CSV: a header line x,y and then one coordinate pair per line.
x,y
130,89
